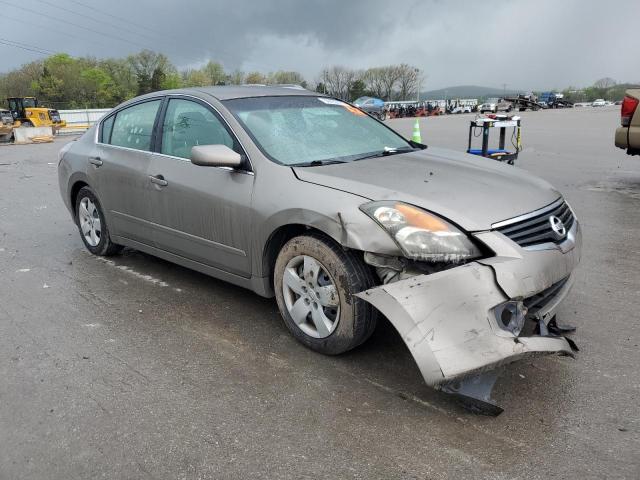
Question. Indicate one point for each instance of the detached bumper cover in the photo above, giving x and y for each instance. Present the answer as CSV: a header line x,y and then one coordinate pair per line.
x,y
446,318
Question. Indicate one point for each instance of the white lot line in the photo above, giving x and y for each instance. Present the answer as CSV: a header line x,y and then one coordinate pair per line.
x,y
132,272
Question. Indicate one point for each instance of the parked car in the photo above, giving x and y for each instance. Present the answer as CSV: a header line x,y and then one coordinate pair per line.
x,y
628,134
373,106
496,105
490,106
304,197
462,109
6,125
598,103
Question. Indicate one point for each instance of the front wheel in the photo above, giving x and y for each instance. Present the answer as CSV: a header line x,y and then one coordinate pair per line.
x,y
92,225
315,281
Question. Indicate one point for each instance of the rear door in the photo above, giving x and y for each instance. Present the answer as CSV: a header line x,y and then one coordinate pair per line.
x,y
120,163
200,213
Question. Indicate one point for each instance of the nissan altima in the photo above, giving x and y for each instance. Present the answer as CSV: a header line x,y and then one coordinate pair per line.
x,y
306,198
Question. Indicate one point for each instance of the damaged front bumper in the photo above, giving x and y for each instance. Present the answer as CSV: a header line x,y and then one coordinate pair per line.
x,y
448,321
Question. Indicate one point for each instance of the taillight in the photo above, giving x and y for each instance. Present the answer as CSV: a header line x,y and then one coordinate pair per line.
x,y
629,105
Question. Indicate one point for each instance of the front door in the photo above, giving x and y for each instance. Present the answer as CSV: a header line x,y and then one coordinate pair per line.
x,y
120,163
200,213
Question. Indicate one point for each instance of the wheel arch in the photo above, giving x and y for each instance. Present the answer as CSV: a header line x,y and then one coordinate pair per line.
x,y
278,238
73,195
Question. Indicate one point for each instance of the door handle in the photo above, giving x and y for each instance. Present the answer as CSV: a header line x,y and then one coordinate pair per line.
x,y
97,161
158,180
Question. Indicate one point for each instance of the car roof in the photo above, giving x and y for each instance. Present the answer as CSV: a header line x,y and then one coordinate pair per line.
x,y
228,92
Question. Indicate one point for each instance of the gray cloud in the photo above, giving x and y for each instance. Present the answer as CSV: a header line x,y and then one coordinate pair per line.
x,y
527,45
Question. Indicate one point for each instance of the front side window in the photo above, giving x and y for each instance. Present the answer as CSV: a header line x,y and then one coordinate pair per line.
x,y
299,130
187,124
133,126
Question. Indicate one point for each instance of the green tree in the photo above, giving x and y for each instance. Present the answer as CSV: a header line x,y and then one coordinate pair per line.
x,y
358,89
284,78
214,73
98,88
150,69
255,78
194,78
235,78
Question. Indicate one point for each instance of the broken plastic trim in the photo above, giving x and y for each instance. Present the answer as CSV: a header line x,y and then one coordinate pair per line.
x,y
474,393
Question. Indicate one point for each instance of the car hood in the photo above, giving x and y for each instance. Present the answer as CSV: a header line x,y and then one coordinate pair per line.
x,y
471,191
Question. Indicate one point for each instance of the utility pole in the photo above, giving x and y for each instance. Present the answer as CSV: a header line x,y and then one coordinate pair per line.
x,y
504,90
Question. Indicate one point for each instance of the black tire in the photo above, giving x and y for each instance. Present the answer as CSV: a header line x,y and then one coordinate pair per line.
x,y
357,318
105,246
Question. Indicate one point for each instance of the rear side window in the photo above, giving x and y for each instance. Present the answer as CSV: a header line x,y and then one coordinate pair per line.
x,y
107,126
133,126
187,124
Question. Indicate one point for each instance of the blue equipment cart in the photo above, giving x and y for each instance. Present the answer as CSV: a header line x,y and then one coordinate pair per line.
x,y
483,125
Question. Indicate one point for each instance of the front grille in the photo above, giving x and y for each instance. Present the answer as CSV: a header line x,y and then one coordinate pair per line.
x,y
539,300
535,228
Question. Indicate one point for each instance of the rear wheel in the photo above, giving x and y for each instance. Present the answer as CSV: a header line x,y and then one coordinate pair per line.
x,y
92,225
315,281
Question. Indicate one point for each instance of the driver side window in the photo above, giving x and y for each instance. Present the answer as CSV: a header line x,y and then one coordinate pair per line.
x,y
187,124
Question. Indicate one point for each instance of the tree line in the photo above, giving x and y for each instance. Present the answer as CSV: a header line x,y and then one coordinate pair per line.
x,y
392,82
67,82
606,88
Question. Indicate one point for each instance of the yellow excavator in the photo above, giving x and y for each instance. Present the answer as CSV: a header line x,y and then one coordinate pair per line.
x,y
27,111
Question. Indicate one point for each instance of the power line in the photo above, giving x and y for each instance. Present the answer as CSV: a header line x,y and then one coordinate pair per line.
x,y
93,19
48,16
120,19
49,26
164,35
26,46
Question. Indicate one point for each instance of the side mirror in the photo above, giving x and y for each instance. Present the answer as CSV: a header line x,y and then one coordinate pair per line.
x,y
215,156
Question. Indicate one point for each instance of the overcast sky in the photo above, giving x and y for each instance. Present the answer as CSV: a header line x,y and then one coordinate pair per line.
x,y
525,44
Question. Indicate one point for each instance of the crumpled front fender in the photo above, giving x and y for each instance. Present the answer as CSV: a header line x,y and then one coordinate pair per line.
x,y
445,319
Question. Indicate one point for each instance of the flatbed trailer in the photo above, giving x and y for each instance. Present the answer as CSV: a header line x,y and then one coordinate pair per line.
x,y
522,103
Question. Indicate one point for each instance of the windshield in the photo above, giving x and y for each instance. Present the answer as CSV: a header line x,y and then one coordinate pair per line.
x,y
29,103
299,130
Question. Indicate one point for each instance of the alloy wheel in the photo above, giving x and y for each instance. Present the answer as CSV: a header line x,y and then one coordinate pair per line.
x,y
311,296
90,224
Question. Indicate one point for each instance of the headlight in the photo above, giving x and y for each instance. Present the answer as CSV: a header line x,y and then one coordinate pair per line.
x,y
420,234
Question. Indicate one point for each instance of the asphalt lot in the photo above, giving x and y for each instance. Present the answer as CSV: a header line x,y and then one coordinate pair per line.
x,y
135,368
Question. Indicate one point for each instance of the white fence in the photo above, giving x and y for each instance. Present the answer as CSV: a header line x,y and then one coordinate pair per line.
x,y
83,119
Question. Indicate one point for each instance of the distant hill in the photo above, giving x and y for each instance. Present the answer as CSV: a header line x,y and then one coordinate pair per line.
x,y
466,91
